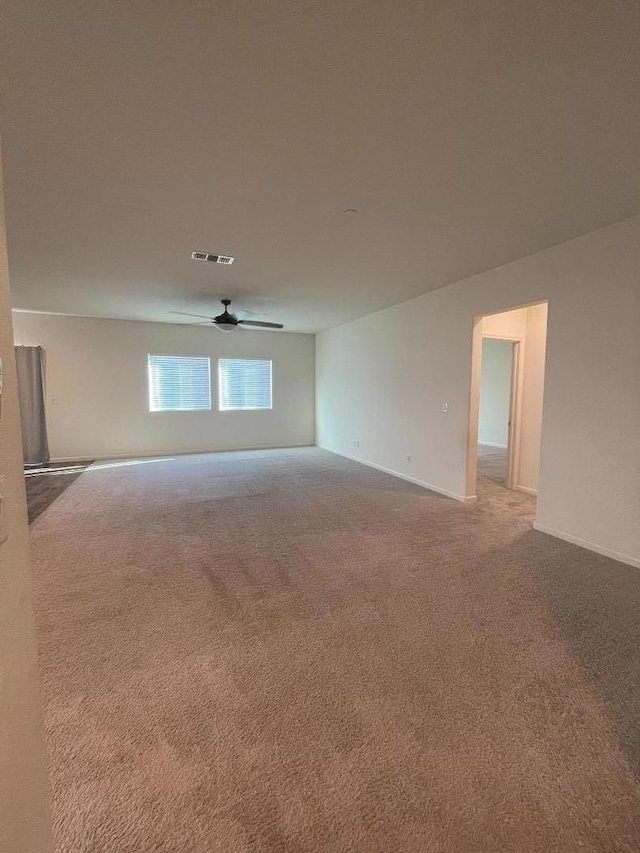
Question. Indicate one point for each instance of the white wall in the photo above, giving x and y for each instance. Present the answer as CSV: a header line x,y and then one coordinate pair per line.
x,y
97,395
506,324
24,789
381,380
495,393
532,397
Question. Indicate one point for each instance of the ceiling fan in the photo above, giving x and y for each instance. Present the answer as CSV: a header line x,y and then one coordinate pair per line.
x,y
228,322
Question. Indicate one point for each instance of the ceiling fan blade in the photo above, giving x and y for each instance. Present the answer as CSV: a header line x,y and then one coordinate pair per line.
x,y
261,325
186,314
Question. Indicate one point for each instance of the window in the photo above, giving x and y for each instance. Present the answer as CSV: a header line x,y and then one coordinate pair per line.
x,y
179,383
244,383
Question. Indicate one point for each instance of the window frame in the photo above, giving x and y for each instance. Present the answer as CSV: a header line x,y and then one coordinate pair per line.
x,y
152,411
245,408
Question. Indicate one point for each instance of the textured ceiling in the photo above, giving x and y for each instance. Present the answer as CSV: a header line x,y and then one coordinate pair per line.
x,y
466,134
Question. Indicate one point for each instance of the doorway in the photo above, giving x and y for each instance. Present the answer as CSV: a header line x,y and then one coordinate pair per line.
x,y
506,402
498,412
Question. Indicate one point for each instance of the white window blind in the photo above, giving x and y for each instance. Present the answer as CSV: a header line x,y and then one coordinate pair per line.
x,y
244,383
179,383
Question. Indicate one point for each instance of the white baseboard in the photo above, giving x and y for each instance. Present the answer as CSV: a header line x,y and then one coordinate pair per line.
x,y
590,546
527,490
490,444
162,454
429,486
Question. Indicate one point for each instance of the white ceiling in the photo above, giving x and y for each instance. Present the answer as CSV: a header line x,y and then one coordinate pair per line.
x,y
467,134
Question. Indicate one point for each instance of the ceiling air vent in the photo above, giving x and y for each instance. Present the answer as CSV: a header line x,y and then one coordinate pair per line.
x,y
214,259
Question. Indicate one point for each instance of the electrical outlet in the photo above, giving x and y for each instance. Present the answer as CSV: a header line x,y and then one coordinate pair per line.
x,y
356,442
445,408
408,457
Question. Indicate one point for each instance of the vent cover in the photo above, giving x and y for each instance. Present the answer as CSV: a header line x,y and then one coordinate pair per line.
x,y
214,259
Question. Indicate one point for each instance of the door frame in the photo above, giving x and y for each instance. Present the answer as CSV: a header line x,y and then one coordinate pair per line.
x,y
515,415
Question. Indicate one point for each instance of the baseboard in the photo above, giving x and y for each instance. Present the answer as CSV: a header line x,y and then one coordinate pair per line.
x,y
527,490
429,486
490,444
165,453
590,546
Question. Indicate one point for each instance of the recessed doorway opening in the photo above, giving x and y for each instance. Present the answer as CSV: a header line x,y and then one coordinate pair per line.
x,y
500,393
507,391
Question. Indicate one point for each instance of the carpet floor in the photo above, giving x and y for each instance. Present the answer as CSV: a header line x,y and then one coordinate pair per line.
x,y
287,652
492,464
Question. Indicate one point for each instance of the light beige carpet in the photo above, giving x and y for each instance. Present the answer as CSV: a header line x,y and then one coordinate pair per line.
x,y
284,651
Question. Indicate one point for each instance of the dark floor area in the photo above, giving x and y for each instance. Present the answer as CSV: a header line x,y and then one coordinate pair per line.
x,y
44,485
